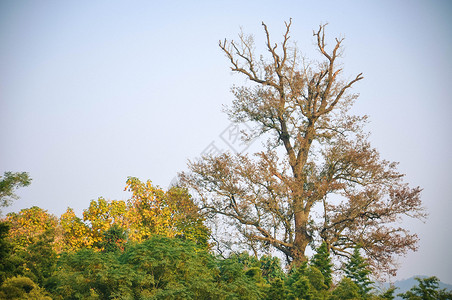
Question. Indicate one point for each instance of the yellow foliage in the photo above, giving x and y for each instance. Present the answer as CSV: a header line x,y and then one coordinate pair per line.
x,y
28,224
149,211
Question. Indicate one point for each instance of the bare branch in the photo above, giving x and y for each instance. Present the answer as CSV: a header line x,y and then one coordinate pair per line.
x,y
304,108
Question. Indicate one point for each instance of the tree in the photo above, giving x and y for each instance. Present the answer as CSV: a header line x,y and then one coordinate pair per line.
x,y
150,211
158,268
84,274
357,270
316,155
346,289
29,224
427,289
277,290
38,260
101,215
234,283
389,293
6,266
269,267
300,287
114,239
322,261
9,183
306,282
32,235
22,288
75,232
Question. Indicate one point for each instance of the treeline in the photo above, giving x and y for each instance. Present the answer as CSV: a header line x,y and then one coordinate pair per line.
x,y
157,267
155,246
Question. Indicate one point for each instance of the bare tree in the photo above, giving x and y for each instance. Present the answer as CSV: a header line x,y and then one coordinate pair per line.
x,y
316,156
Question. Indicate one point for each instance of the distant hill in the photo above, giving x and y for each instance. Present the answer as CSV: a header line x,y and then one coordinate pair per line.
x,y
406,284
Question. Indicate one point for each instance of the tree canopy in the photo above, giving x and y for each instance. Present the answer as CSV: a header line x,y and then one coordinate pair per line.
x,y
427,289
316,157
9,182
149,211
104,256
357,270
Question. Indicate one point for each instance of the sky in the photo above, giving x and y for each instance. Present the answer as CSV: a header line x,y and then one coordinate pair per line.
x,y
92,92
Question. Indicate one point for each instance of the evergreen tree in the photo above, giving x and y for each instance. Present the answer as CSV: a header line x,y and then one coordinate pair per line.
x,y
357,270
306,282
389,293
322,261
271,268
277,290
346,289
427,289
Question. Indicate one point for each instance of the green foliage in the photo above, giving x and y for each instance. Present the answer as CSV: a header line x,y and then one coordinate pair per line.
x,y
155,246
166,267
9,182
113,240
357,270
84,275
158,268
277,290
247,261
427,289
22,288
346,289
234,283
389,293
38,260
173,268
306,282
270,267
6,267
322,261
32,244
299,285
316,279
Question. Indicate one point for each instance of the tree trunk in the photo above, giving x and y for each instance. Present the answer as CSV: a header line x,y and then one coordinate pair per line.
x,y
302,237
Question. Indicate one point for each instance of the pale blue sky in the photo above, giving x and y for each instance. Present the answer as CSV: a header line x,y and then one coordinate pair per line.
x,y
94,91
